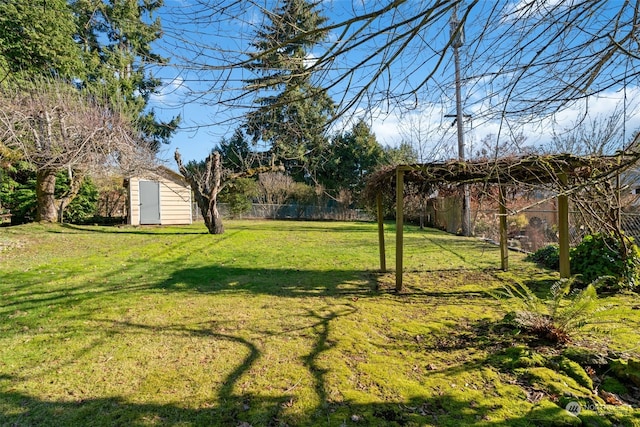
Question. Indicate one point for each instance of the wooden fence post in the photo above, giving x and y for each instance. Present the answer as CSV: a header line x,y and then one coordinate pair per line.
x,y
563,230
504,249
399,225
383,258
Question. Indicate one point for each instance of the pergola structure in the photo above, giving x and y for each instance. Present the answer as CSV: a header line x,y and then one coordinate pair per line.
x,y
563,173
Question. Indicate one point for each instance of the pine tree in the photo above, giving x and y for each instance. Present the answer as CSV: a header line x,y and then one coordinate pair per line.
x,y
292,113
116,37
36,39
69,67
236,153
350,157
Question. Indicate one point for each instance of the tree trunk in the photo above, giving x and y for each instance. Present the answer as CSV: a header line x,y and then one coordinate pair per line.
x,y
209,210
215,226
206,190
45,196
207,187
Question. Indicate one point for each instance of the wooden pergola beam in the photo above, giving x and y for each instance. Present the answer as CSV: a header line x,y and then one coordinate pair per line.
x,y
563,169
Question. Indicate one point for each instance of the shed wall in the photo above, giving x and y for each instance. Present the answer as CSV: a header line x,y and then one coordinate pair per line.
x,y
175,201
134,201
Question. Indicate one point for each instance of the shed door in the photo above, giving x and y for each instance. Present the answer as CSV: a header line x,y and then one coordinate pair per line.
x,y
149,202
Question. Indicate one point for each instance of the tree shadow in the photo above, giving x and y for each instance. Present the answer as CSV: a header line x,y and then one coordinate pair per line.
x,y
228,408
278,282
501,347
126,229
442,410
231,406
336,227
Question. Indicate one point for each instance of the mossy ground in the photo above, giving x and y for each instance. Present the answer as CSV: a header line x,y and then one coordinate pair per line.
x,y
285,323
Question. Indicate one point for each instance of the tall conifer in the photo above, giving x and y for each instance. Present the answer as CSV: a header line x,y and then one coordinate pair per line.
x,y
291,112
116,37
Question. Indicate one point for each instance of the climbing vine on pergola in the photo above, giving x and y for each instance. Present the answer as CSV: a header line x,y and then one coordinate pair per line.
x,y
561,174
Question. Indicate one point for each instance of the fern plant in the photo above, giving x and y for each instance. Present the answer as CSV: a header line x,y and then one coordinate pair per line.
x,y
558,316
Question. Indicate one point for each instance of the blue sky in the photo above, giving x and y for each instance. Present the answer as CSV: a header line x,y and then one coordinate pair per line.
x,y
200,48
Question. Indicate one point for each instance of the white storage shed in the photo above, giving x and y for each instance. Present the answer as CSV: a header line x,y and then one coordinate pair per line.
x,y
161,197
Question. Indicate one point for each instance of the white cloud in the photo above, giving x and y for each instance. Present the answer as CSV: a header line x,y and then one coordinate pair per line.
x,y
310,60
170,92
433,135
533,9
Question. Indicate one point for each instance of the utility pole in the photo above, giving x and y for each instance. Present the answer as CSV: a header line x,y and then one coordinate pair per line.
x,y
457,40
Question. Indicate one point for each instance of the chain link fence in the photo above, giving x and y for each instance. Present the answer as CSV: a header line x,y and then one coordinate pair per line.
x,y
531,230
293,211
631,225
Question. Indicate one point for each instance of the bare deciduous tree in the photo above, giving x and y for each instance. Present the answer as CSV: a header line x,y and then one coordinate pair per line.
x,y
522,60
207,181
206,185
601,134
274,187
56,127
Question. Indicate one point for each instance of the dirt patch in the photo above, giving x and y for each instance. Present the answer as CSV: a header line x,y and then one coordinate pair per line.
x,y
6,244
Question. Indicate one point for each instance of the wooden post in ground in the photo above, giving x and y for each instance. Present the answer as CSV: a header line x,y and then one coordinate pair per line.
x,y
563,230
504,249
383,258
399,225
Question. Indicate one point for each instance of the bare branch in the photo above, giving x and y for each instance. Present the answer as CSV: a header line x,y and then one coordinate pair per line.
x,y
54,126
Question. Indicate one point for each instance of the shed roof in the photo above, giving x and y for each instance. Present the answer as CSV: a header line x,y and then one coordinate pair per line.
x,y
160,171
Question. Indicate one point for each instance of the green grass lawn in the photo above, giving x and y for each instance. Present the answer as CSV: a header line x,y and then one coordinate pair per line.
x,y
282,324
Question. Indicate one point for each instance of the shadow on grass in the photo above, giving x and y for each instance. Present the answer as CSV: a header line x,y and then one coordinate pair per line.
x,y
229,405
120,229
444,410
279,282
282,226
290,283
232,408
499,347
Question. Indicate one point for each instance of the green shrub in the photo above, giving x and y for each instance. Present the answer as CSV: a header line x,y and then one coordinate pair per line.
x,y
516,223
83,206
549,257
18,192
238,195
604,258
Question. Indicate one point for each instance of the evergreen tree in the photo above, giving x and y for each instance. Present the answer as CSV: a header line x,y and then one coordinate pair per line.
x,y
100,45
37,39
238,195
403,154
350,158
115,38
292,113
236,153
